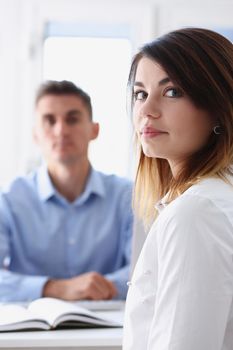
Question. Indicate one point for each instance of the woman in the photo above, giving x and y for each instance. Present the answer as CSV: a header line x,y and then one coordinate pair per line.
x,y
181,293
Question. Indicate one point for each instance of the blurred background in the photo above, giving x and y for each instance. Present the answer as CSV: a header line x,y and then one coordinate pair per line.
x,y
90,42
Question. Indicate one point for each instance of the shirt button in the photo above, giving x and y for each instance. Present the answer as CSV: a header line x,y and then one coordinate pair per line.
x,y
147,272
129,283
71,241
6,262
144,300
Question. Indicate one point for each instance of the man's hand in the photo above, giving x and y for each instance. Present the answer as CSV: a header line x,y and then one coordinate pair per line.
x,y
90,285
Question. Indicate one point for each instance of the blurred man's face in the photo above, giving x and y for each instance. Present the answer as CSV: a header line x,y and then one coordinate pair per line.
x,y
63,128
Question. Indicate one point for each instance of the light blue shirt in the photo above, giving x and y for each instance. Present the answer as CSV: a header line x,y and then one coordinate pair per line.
x,y
43,236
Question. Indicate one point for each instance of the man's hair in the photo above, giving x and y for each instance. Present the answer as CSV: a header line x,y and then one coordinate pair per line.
x,y
64,87
200,62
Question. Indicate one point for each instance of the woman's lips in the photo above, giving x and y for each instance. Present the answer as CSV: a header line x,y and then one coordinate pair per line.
x,y
151,132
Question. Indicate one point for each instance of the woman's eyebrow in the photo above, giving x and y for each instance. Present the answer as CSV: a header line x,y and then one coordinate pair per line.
x,y
138,83
164,81
160,83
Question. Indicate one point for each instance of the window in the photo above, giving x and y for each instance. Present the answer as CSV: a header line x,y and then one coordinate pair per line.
x,y
98,63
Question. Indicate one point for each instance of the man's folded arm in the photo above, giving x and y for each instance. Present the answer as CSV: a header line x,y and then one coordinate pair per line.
x,y
17,287
120,279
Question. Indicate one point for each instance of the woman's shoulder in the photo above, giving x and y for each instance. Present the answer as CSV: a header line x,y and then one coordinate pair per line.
x,y
209,198
212,188
204,211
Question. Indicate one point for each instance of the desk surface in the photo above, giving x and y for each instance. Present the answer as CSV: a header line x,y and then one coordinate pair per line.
x,y
96,338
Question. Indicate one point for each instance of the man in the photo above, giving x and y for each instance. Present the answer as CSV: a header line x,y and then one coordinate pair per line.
x,y
65,230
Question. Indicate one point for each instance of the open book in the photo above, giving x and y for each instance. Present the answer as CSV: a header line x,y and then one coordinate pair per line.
x,y
49,313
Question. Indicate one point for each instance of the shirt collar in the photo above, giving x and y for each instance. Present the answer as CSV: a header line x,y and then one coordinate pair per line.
x,y
46,189
94,185
162,203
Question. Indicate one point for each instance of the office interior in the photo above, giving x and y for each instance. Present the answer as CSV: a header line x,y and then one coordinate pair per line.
x,y
30,27
25,28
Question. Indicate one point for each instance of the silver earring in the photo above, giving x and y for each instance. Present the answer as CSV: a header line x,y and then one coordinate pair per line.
x,y
217,130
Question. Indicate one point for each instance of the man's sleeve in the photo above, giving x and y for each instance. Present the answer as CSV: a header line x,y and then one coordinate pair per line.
x,y
13,286
16,287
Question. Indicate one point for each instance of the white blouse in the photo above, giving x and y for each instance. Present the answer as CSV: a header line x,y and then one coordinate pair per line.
x,y
181,293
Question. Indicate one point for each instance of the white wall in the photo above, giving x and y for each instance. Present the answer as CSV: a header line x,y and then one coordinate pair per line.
x,y
9,87
21,38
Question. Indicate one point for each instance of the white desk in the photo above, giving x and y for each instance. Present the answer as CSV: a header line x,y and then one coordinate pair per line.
x,y
80,339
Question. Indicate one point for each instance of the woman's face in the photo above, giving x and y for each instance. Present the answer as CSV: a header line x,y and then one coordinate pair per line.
x,y
167,123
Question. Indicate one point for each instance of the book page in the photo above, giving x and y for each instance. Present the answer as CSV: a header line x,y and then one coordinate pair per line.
x,y
17,317
51,308
56,311
14,313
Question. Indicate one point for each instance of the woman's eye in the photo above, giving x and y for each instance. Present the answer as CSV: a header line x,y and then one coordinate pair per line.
x,y
173,92
139,95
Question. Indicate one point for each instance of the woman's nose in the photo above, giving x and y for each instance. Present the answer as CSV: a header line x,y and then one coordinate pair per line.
x,y
150,109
